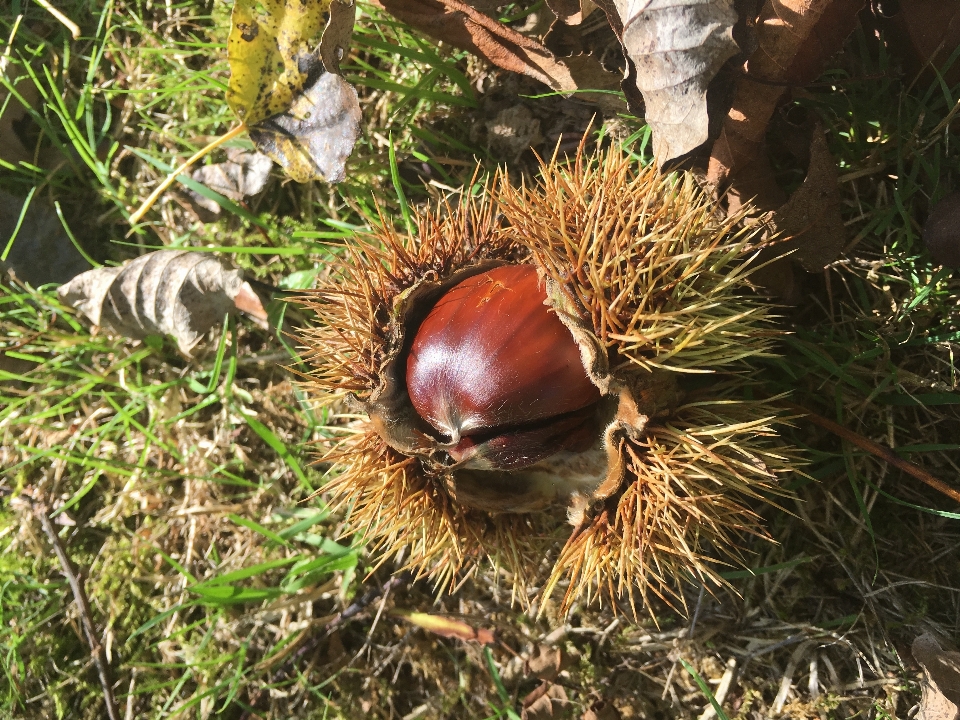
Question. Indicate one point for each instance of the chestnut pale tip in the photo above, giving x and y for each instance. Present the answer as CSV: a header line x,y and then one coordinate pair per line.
x,y
496,373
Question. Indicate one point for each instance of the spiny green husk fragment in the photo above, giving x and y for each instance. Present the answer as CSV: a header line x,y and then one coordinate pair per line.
x,y
644,266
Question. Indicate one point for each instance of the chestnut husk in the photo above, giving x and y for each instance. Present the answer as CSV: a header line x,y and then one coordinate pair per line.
x,y
654,289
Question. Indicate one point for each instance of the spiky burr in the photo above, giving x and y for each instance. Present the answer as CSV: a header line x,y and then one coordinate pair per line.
x,y
656,472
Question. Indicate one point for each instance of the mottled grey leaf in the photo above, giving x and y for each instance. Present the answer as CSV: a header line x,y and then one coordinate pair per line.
x,y
168,292
677,46
314,138
88,291
244,173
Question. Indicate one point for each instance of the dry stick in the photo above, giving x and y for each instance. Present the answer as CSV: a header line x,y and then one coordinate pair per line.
x,y
172,177
67,22
80,596
884,453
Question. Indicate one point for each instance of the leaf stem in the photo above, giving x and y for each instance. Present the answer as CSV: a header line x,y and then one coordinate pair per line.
x,y
67,22
172,177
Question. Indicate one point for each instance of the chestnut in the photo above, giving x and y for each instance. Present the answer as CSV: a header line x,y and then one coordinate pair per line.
x,y
497,374
524,360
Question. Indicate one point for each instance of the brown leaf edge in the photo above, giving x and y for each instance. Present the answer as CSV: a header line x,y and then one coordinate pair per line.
x,y
795,38
941,679
811,217
465,27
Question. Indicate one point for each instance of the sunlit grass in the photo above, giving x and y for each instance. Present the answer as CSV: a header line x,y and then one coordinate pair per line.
x,y
179,484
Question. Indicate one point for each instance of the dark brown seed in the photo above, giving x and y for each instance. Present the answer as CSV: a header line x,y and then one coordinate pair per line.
x,y
493,366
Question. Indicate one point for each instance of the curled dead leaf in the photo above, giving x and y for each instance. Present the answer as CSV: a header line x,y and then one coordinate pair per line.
x,y
243,173
677,48
337,34
465,27
167,292
794,40
941,679
549,700
547,662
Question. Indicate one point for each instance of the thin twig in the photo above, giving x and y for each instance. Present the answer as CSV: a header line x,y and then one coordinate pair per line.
x,y
884,453
80,596
172,177
67,22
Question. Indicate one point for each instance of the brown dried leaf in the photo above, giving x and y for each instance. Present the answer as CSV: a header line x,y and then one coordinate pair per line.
x,y
571,12
447,627
811,217
173,292
941,679
547,701
794,40
677,47
547,663
337,34
927,32
244,173
457,23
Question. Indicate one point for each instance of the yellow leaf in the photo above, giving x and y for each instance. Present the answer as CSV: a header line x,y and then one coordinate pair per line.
x,y
269,48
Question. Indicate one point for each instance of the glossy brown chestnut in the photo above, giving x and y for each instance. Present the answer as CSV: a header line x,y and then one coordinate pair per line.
x,y
494,370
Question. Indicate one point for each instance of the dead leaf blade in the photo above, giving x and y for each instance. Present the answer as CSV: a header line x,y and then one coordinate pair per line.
x,y
465,27
812,214
677,47
794,39
167,292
